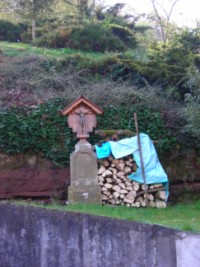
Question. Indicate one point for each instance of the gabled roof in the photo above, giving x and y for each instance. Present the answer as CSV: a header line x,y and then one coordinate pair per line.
x,y
79,101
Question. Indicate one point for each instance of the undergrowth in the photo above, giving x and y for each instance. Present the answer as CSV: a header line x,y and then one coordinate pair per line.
x,y
22,49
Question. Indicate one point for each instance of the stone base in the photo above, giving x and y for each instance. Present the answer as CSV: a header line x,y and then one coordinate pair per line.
x,y
84,186
87,194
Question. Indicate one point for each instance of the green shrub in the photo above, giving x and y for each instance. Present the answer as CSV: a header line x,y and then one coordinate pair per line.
x,y
26,37
191,114
9,31
95,37
115,67
124,34
57,39
168,66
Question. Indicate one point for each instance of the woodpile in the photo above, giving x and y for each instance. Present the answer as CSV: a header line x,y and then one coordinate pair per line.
x,y
118,189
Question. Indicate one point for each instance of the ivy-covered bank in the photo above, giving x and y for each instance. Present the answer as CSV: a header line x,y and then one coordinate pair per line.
x,y
43,130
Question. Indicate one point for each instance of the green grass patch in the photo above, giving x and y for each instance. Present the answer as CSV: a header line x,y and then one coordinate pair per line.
x,y
184,217
109,65
22,49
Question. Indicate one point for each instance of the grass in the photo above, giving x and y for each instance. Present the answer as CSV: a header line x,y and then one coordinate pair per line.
x,y
16,49
181,216
12,49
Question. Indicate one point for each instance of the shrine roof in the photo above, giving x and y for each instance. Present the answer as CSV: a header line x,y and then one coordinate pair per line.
x,y
82,100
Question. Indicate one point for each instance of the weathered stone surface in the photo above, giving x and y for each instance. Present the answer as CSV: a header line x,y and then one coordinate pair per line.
x,y
86,194
83,166
37,237
181,168
84,175
34,183
31,176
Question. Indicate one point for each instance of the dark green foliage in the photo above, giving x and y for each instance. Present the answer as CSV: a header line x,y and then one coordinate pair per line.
x,y
116,67
172,65
25,32
168,66
95,37
55,39
190,40
9,31
150,122
91,37
38,130
23,26
124,34
26,37
44,130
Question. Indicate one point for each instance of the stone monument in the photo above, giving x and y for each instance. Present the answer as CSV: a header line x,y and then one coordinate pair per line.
x,y
84,185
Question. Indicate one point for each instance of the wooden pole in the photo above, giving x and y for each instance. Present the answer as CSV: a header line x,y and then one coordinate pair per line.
x,y
141,156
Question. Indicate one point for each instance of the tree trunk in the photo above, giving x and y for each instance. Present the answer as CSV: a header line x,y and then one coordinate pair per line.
x,y
33,29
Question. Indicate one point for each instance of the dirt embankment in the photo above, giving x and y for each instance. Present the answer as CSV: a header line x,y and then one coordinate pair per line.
x,y
31,176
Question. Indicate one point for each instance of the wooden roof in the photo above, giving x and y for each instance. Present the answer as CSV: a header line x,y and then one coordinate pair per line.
x,y
79,101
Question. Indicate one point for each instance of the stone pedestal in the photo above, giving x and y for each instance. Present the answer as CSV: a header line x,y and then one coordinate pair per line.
x,y
84,185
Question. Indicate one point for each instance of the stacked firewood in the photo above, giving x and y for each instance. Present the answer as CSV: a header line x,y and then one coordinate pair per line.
x,y
118,189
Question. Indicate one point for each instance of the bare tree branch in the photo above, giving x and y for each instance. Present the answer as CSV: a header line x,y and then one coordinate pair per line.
x,y
163,22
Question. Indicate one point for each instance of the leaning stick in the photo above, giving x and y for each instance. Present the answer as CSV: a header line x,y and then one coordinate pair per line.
x,y
141,156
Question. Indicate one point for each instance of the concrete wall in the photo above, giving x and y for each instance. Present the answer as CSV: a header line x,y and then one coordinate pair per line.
x,y
34,237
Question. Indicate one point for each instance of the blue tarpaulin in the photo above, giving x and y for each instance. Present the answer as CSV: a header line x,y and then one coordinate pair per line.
x,y
154,171
103,151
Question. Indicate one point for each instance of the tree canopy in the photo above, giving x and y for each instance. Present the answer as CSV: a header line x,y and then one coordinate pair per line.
x,y
29,10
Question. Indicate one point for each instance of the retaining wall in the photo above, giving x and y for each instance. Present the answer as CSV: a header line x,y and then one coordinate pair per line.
x,y
32,176
35,237
29,175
